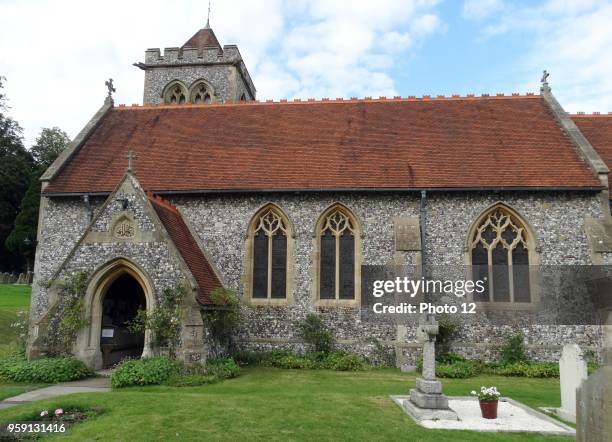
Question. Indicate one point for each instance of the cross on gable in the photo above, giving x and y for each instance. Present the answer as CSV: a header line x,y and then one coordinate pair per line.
x,y
131,156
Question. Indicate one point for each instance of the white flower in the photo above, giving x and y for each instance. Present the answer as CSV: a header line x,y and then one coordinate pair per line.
x,y
59,412
473,392
44,413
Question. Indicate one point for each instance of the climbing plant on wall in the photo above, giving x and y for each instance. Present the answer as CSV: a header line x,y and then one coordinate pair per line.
x,y
68,314
164,321
223,319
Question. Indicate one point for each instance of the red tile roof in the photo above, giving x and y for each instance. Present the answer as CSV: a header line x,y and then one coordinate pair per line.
x,y
465,142
204,38
597,128
193,256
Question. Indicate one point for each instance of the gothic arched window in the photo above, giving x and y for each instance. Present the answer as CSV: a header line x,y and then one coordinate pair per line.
x,y
501,249
268,251
338,244
175,93
201,92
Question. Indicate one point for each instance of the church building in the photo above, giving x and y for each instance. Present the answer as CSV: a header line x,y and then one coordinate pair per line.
x,y
285,201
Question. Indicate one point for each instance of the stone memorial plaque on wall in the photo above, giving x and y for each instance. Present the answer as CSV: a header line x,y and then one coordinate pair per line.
x,y
599,234
407,234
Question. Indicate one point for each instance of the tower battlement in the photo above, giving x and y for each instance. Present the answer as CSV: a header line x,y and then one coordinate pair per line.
x,y
200,71
229,54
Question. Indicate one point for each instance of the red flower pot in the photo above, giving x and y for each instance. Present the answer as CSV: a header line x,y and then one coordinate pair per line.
x,y
488,409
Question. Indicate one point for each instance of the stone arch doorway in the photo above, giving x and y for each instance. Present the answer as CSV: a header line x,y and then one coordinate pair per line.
x,y
123,299
114,295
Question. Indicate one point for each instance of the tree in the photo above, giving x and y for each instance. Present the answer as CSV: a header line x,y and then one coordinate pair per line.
x,y
22,239
16,170
49,145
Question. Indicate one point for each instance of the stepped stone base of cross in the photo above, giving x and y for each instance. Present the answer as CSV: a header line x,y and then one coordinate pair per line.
x,y
427,400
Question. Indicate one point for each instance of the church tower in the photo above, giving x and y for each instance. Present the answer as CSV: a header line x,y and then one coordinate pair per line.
x,y
200,71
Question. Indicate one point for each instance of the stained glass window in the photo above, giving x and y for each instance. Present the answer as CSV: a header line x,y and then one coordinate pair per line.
x,y
269,256
500,255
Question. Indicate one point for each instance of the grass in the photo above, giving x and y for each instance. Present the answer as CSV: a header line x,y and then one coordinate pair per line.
x,y
274,404
265,403
12,299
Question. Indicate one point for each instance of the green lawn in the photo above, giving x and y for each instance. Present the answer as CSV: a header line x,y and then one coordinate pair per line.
x,y
265,404
273,404
12,299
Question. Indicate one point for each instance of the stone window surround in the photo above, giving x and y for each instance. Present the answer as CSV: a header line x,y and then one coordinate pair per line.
x,y
188,92
316,258
249,254
193,90
533,256
166,93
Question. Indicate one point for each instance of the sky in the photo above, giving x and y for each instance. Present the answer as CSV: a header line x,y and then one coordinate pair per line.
x,y
56,54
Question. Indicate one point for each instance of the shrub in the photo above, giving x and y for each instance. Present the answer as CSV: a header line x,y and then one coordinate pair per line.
x,y
46,370
344,362
457,370
293,361
225,368
529,369
152,371
316,334
317,360
167,371
513,350
449,358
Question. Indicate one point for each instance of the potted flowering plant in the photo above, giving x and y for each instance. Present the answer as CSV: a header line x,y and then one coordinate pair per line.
x,y
488,398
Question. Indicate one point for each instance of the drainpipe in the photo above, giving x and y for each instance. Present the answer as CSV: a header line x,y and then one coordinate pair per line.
x,y
423,220
88,207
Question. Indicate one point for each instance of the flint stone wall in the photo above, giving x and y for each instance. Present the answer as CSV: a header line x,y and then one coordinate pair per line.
x,y
557,219
221,223
225,80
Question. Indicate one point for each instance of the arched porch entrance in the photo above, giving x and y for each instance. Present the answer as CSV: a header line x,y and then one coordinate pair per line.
x,y
115,294
123,299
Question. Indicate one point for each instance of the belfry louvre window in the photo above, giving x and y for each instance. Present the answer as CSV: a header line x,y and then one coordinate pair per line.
x,y
500,247
337,234
175,93
269,255
201,93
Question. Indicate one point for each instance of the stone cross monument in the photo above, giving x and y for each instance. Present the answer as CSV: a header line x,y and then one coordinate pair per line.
x,y
426,400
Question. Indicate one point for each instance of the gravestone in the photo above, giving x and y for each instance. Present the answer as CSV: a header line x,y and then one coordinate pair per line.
x,y
572,371
20,279
594,405
3,278
11,279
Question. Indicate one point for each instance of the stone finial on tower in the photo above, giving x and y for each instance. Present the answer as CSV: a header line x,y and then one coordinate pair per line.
x,y
544,81
111,89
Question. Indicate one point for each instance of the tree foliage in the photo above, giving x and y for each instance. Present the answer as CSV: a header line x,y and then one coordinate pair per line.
x,y
49,144
20,187
22,239
16,171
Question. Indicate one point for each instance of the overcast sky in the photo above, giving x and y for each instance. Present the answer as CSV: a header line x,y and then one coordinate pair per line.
x,y
57,54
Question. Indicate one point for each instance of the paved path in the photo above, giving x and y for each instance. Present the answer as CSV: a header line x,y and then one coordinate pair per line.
x,y
92,385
